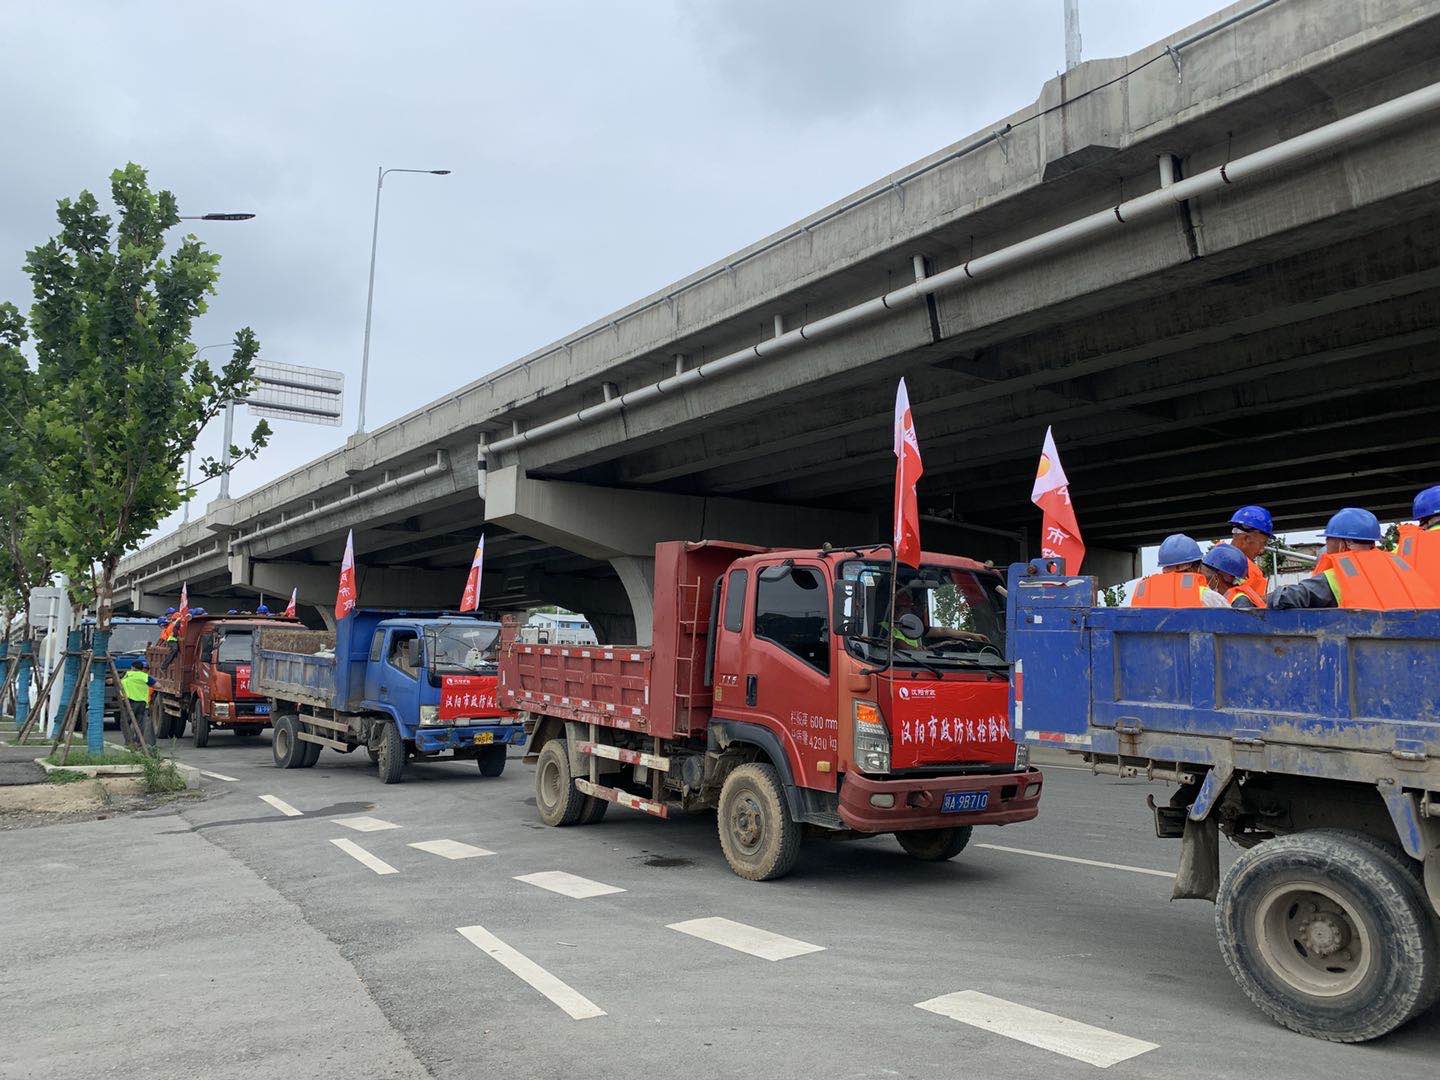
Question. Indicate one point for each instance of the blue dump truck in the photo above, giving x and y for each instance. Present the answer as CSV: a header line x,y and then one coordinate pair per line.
x,y
129,638
1310,739
401,684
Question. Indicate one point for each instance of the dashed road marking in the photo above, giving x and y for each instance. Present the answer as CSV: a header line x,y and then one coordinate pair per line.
x,y
364,823
575,1004
220,776
746,939
1082,862
1092,1045
558,881
360,855
452,849
281,805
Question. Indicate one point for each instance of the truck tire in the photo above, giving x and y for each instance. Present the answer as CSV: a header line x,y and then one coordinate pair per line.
x,y
760,840
201,734
177,724
373,754
312,754
390,764
557,798
593,811
491,760
288,750
935,845
1328,934
160,718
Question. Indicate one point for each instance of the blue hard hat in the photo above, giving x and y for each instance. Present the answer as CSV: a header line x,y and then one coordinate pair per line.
x,y
1228,559
1353,523
263,609
169,611
233,611
1254,517
139,664
1177,550
1427,503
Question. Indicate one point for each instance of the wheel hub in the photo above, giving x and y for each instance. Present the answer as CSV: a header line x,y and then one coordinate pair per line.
x,y
1322,933
747,822
1313,938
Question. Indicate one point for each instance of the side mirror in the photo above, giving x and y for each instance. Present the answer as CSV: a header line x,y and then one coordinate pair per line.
x,y
847,608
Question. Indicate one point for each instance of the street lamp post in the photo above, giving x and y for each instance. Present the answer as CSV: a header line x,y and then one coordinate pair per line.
x,y
380,174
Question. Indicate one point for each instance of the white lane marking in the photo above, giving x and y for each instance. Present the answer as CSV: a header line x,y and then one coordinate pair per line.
x,y
362,823
360,855
1092,1045
1082,862
558,881
281,805
220,776
575,1004
451,849
746,939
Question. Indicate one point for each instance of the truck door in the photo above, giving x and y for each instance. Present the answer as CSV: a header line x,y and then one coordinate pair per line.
x,y
202,680
782,658
400,676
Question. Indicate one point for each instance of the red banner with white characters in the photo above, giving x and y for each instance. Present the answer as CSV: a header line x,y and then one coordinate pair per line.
x,y
1059,531
959,720
345,591
469,697
242,681
908,469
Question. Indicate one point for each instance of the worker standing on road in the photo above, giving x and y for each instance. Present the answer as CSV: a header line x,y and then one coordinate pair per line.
x,y
1179,582
137,684
1251,528
1225,568
1355,573
1420,543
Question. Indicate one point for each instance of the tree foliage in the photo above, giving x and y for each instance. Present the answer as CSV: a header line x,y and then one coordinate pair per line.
x,y
121,395
23,563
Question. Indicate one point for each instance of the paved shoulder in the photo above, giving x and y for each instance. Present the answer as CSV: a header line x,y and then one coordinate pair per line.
x,y
174,961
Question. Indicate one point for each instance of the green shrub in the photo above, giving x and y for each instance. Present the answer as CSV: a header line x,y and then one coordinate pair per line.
x,y
161,776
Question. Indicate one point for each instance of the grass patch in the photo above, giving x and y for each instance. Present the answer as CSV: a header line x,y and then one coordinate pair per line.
x,y
161,776
109,757
65,776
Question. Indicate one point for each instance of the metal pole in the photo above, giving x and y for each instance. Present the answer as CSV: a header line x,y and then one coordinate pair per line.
x,y
1072,34
225,450
369,302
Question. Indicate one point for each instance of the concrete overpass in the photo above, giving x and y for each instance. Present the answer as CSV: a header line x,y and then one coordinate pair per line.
x,y
1213,266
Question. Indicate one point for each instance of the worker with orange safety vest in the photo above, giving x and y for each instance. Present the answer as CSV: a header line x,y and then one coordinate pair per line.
x,y
1225,569
1355,573
1179,582
1251,528
1420,543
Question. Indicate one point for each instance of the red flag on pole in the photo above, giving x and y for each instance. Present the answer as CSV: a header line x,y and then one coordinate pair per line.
x,y
345,593
1059,533
908,470
181,617
470,599
290,607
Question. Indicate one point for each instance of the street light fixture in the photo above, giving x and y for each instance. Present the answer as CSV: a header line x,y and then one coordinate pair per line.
x,y
228,216
380,174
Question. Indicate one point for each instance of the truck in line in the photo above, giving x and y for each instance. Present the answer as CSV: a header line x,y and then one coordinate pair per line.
x,y
130,639
772,695
401,685
1310,739
202,677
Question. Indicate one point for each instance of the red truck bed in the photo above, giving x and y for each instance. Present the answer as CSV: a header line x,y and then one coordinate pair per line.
x,y
607,684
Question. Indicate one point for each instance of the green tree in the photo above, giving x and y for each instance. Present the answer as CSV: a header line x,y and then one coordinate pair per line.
x,y
120,393
1391,540
23,562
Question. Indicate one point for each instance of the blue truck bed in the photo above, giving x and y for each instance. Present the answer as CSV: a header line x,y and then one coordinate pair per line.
x,y
1347,695
316,667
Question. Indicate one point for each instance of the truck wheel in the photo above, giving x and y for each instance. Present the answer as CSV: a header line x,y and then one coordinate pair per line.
x,y
288,750
935,845
312,754
491,760
556,796
759,839
161,717
201,734
374,754
391,761
1328,934
593,811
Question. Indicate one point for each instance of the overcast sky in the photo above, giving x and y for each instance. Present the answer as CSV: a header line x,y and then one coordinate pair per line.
x,y
600,149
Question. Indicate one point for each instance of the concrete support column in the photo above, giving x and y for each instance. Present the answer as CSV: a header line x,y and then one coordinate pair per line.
x,y
1111,566
637,575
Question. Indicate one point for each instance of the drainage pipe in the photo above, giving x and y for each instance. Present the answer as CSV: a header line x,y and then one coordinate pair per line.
x,y
1334,135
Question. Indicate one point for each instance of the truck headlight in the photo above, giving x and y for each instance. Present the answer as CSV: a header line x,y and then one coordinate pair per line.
x,y
1022,757
429,715
872,738
222,710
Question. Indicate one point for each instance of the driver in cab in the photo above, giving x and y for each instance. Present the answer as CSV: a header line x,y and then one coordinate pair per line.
x,y
912,630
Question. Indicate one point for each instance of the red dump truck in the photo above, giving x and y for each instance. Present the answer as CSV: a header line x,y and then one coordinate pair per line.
x,y
778,694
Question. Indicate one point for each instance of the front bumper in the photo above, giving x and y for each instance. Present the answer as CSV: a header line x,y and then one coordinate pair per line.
x,y
242,713
433,740
918,800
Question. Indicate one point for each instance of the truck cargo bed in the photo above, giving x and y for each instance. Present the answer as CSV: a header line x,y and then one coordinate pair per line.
x,y
295,665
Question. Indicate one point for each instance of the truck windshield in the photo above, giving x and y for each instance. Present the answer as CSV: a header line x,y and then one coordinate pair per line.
x,y
463,648
944,617
132,637
235,647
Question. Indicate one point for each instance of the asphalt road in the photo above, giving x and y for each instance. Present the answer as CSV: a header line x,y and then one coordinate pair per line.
x,y
371,969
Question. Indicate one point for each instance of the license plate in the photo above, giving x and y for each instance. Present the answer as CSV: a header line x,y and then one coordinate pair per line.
x,y
484,738
961,802
262,710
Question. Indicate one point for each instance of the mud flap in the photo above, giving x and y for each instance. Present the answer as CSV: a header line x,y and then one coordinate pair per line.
x,y
1199,875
